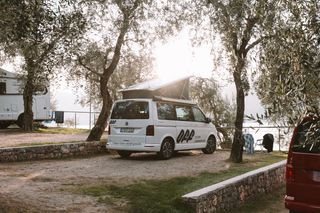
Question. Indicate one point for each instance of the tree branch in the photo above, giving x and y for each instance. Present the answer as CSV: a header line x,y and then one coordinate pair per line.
x,y
232,33
256,42
247,33
93,79
120,40
79,58
106,57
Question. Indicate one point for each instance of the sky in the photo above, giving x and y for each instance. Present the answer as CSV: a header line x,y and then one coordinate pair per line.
x,y
175,58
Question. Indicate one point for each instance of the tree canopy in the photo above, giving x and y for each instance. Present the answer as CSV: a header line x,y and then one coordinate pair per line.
x,y
206,92
288,83
116,51
39,31
239,24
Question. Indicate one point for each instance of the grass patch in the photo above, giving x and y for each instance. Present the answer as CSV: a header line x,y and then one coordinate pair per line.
x,y
165,195
59,130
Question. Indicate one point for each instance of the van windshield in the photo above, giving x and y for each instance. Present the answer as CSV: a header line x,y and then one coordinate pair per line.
x,y
130,110
307,139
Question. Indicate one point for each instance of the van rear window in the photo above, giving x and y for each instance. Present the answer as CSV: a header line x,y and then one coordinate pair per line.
x,y
307,139
130,110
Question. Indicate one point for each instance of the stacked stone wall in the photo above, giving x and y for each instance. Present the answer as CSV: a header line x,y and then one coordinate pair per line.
x,y
232,193
52,151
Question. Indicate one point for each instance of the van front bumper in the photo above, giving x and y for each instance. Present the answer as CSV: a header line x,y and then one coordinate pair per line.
x,y
299,206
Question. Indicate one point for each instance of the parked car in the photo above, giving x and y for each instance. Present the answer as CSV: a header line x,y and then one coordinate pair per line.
x,y
162,125
303,168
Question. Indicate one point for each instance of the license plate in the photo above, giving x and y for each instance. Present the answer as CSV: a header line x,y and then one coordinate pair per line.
x,y
127,130
316,176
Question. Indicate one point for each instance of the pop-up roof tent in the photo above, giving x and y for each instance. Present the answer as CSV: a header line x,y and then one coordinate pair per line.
x,y
175,88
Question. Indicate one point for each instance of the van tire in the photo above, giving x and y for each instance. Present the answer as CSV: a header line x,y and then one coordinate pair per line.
x,y
124,154
167,149
211,145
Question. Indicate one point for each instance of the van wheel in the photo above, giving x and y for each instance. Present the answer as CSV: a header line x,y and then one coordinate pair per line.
x,y
167,149
211,145
124,154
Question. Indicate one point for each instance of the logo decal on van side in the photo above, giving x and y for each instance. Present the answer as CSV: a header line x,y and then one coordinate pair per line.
x,y
112,121
185,136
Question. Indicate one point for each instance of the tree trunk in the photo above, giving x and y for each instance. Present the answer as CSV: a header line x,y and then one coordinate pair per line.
x,y
27,123
237,145
101,124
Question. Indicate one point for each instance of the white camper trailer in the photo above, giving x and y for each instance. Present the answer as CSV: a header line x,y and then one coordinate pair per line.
x,y
11,101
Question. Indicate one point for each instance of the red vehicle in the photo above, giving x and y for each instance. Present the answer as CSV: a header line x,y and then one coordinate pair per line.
x,y
303,168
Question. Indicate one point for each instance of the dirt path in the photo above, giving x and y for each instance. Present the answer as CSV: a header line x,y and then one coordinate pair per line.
x,y
15,137
44,185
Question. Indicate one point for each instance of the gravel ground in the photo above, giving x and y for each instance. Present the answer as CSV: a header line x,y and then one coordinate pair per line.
x,y
46,186
43,185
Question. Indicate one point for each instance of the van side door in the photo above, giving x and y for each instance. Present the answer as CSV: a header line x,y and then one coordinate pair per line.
x,y
185,127
166,122
202,129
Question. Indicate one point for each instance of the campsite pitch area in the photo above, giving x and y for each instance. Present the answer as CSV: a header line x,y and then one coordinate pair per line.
x,y
59,185
77,185
15,137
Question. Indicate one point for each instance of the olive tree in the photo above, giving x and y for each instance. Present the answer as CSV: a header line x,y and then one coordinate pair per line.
x,y
39,31
239,24
288,84
116,47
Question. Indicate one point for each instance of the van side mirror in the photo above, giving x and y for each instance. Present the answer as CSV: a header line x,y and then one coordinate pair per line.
x,y
208,120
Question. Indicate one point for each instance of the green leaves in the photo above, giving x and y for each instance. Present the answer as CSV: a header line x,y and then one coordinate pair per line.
x,y
40,32
289,78
207,94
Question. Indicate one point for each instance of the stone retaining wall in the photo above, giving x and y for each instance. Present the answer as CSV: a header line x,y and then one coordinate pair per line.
x,y
234,192
54,151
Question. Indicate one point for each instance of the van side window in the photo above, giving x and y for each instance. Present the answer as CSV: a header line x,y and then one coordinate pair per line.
x,y
3,89
184,113
198,115
307,139
166,111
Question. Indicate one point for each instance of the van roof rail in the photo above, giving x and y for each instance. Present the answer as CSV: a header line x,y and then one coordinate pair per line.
x,y
161,98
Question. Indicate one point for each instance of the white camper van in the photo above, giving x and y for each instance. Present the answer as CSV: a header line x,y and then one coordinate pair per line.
x,y
11,101
158,124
